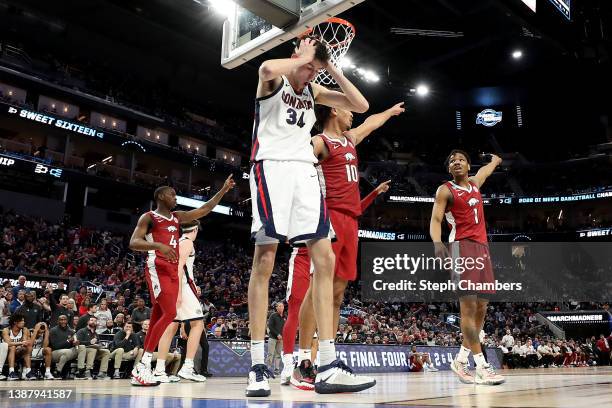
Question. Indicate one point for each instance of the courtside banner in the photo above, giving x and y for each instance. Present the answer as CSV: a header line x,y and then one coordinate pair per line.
x,y
33,281
499,271
233,358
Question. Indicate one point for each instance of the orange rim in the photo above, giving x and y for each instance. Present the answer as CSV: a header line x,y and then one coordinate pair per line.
x,y
335,20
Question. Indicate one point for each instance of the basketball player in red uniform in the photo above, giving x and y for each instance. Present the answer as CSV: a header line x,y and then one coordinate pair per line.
x,y
460,202
336,150
157,233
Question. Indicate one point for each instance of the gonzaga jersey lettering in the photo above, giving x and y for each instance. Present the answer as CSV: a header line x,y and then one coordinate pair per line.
x,y
165,231
283,121
341,176
466,216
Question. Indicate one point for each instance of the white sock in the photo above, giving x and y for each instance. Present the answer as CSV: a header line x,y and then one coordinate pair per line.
x,y
160,367
480,360
27,370
304,354
327,352
463,354
146,359
257,352
48,370
11,369
188,363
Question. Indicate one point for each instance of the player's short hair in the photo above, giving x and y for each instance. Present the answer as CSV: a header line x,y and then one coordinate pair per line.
x,y
15,318
159,191
321,51
190,226
455,151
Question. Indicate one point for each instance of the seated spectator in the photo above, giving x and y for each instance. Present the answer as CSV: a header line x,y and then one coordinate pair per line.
x,y
63,345
20,286
40,347
140,314
103,315
17,337
111,329
83,321
17,301
62,309
30,310
88,338
125,347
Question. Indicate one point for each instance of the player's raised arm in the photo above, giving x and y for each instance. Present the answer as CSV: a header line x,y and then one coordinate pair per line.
x,y
485,171
207,207
369,199
139,243
350,98
373,122
443,198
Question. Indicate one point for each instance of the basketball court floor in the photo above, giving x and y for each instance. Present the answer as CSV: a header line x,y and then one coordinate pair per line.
x,y
560,387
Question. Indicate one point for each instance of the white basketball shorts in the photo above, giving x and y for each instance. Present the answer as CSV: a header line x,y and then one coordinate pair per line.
x,y
190,308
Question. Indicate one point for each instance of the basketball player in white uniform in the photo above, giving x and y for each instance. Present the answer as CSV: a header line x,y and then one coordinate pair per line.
x,y
287,202
188,308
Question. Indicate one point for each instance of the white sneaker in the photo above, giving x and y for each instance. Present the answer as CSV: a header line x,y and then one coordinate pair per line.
x,y
487,375
143,376
173,378
2,377
337,377
49,376
258,385
288,366
462,370
161,377
431,368
189,374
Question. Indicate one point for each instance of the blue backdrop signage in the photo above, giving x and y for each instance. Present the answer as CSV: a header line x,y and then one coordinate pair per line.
x,y
48,120
233,358
488,118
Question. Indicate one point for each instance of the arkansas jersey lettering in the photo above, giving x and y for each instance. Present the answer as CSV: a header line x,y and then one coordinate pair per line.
x,y
341,176
165,231
466,215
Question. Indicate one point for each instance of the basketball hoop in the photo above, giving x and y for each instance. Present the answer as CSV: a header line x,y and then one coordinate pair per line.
x,y
337,34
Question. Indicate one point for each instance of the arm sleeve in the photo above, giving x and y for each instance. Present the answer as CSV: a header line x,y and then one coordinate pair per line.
x,y
368,200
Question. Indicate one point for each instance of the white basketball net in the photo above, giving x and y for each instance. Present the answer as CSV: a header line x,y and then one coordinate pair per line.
x,y
338,35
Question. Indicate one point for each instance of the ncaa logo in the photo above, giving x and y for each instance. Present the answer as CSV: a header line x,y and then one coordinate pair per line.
x,y
349,157
472,201
488,118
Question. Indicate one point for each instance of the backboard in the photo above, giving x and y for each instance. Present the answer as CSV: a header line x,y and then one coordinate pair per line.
x,y
245,35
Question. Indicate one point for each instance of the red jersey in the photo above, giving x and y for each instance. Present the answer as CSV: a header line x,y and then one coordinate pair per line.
x,y
163,230
341,176
466,216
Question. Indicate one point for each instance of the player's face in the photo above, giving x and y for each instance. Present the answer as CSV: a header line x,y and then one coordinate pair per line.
x,y
306,73
458,165
345,118
169,198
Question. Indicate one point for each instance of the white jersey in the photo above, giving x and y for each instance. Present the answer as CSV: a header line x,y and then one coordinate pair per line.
x,y
188,275
283,121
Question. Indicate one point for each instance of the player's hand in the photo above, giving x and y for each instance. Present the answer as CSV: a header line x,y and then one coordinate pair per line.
x,y
306,49
440,250
27,343
383,187
183,333
397,109
168,252
94,340
229,183
496,159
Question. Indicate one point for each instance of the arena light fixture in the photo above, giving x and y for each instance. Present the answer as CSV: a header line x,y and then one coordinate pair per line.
x,y
422,90
223,7
517,54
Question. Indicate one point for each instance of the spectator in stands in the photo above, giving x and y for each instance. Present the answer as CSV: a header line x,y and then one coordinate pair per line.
x,y
20,286
120,320
508,340
17,301
63,344
140,314
17,337
62,309
83,321
603,351
125,347
103,315
276,322
531,357
5,301
88,338
111,329
41,349
31,311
